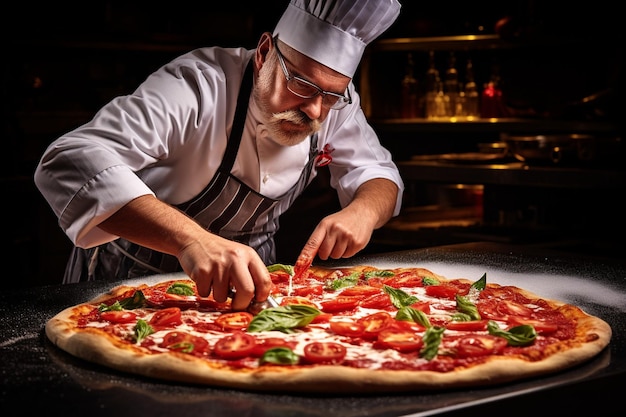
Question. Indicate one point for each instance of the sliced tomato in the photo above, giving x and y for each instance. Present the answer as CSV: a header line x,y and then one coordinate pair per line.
x,y
462,287
237,320
235,346
407,280
181,301
322,318
347,328
468,326
489,309
400,340
170,316
377,282
122,316
154,297
262,345
185,342
423,306
442,291
374,323
405,325
279,277
479,345
378,301
502,309
285,301
209,304
324,352
540,326
360,290
511,308
306,290
340,304
162,299
504,293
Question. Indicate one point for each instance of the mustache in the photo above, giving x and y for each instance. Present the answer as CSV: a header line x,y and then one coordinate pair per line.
x,y
296,117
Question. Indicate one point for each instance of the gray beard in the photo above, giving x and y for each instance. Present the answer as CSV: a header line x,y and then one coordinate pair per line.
x,y
285,138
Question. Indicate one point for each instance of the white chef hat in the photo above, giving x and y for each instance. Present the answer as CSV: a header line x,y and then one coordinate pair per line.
x,y
335,32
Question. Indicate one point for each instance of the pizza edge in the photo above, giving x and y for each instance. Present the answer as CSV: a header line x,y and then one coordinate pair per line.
x,y
100,348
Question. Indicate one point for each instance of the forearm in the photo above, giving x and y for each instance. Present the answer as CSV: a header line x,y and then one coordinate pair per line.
x,y
149,222
375,199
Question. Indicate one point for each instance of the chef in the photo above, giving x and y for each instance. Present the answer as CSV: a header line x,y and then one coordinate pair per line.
x,y
193,169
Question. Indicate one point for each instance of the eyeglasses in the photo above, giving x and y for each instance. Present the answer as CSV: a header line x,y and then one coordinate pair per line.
x,y
306,89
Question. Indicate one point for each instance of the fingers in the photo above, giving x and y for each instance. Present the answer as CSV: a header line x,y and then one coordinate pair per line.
x,y
218,268
342,236
204,281
312,245
261,280
251,282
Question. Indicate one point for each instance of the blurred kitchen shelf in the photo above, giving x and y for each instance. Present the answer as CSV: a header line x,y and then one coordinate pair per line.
x,y
429,226
489,41
514,174
496,125
459,42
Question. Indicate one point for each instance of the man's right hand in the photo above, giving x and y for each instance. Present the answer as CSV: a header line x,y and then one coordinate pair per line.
x,y
217,264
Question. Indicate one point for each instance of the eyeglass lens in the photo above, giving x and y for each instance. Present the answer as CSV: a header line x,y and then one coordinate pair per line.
x,y
306,90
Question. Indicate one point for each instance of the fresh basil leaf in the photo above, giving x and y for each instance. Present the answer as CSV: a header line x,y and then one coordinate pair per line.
x,y
378,273
344,282
399,298
185,347
116,306
279,356
280,267
461,317
180,288
426,281
466,306
412,314
142,330
432,339
283,318
481,283
522,335
138,300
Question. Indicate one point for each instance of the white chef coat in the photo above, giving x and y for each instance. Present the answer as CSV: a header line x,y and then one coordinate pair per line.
x,y
168,137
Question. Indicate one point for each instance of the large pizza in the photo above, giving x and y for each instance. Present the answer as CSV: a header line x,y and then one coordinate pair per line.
x,y
354,329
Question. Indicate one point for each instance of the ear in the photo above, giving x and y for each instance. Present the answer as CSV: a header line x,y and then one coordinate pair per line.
x,y
263,48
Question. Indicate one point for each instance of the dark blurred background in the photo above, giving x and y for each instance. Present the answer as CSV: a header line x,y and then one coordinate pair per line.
x,y
559,66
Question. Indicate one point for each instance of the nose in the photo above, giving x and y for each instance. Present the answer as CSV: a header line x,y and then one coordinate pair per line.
x,y
312,107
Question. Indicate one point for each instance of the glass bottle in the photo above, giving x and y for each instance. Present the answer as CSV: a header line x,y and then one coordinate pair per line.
x,y
492,101
451,85
431,87
441,106
410,93
471,92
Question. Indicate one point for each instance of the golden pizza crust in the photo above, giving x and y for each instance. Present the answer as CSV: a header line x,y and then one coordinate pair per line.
x,y
96,346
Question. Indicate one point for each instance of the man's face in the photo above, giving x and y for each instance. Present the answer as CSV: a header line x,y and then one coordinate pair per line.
x,y
289,118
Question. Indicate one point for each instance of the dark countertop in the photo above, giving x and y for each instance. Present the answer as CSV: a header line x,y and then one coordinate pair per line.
x,y
38,377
